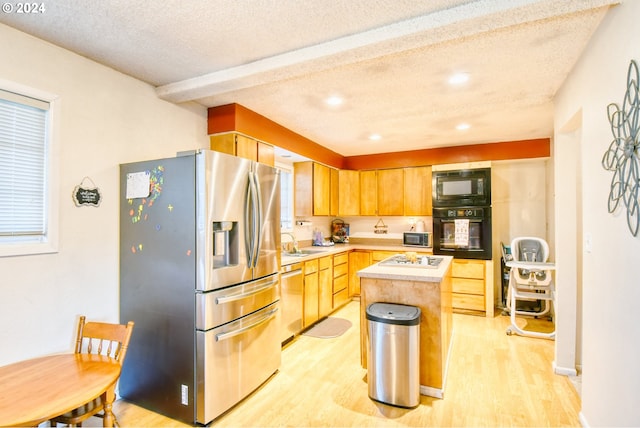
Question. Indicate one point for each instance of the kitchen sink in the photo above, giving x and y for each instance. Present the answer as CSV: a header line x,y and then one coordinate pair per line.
x,y
303,253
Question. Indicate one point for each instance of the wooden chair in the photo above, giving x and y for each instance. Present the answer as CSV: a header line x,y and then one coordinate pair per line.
x,y
97,338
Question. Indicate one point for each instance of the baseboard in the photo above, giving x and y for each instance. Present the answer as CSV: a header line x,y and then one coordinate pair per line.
x,y
583,420
564,371
431,392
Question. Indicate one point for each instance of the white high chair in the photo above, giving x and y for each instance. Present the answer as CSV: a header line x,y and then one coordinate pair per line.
x,y
530,279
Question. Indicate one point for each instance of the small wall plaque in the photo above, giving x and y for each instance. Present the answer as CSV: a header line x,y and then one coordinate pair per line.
x,y
86,194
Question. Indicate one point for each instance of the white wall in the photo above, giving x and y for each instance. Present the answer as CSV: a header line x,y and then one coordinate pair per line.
x,y
610,271
519,207
107,118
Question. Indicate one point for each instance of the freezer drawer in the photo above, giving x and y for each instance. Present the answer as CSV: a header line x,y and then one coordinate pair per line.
x,y
235,359
221,306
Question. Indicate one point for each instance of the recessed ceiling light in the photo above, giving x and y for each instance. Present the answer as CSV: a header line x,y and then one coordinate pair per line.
x,y
463,127
459,78
334,100
375,137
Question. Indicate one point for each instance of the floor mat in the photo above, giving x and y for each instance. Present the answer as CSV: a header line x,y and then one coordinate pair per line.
x,y
539,325
328,328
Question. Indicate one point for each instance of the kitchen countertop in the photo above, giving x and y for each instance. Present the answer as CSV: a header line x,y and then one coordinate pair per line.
x,y
408,273
340,248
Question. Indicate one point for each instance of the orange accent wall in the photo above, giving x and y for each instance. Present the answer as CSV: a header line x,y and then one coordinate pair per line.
x,y
524,149
234,117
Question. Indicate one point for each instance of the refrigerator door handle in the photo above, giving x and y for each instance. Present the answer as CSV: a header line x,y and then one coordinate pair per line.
x,y
258,218
248,223
240,296
223,336
255,225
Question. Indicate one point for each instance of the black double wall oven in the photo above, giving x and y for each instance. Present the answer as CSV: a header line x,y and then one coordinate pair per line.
x,y
462,213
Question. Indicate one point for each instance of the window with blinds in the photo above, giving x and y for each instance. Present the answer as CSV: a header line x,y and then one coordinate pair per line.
x,y
23,168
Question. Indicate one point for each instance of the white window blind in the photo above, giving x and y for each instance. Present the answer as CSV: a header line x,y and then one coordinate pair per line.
x,y
23,154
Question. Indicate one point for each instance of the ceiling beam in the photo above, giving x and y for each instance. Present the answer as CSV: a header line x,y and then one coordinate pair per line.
x,y
448,24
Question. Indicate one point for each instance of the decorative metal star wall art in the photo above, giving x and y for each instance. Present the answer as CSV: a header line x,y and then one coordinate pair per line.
x,y
622,157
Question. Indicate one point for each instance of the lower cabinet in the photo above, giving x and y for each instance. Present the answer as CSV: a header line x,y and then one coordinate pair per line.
x,y
331,281
340,280
472,286
310,312
358,260
378,256
325,286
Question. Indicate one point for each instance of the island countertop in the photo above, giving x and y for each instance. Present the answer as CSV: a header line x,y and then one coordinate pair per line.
x,y
408,273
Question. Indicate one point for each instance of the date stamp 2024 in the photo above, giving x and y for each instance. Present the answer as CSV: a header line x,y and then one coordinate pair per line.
x,y
24,8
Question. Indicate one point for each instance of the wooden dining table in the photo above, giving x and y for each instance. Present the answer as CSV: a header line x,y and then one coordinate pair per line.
x,y
36,390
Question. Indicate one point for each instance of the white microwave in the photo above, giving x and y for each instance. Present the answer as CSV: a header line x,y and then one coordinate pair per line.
x,y
417,239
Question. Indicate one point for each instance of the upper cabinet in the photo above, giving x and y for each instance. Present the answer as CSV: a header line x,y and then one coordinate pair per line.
x,y
368,192
382,192
244,147
312,189
349,192
335,191
391,191
417,191
323,191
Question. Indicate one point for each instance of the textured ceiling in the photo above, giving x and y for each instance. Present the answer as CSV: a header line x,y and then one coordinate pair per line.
x,y
390,60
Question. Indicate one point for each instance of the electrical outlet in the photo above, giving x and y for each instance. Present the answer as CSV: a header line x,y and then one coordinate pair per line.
x,y
185,395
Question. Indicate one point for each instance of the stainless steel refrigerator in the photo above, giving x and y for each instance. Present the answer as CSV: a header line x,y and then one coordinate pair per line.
x,y
199,261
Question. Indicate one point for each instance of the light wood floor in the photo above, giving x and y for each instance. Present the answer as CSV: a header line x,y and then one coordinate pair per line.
x,y
493,380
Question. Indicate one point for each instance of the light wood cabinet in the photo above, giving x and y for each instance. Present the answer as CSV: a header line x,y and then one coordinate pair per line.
x,y
472,286
348,192
358,259
325,286
378,255
390,190
266,154
310,293
334,193
321,189
340,279
368,193
417,191
244,147
312,189
382,192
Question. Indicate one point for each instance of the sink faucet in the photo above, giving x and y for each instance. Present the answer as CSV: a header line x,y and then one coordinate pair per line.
x,y
293,240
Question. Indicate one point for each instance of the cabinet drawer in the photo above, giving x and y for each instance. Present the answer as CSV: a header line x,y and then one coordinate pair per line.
x,y
325,262
468,286
467,268
340,298
338,259
339,270
311,266
467,301
340,283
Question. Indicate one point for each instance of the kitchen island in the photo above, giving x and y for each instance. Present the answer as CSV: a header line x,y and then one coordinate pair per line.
x,y
424,287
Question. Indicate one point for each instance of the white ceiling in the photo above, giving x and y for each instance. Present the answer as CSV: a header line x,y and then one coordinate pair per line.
x,y
389,59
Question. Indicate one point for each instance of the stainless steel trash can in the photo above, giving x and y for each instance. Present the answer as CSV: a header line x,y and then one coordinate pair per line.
x,y
393,354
